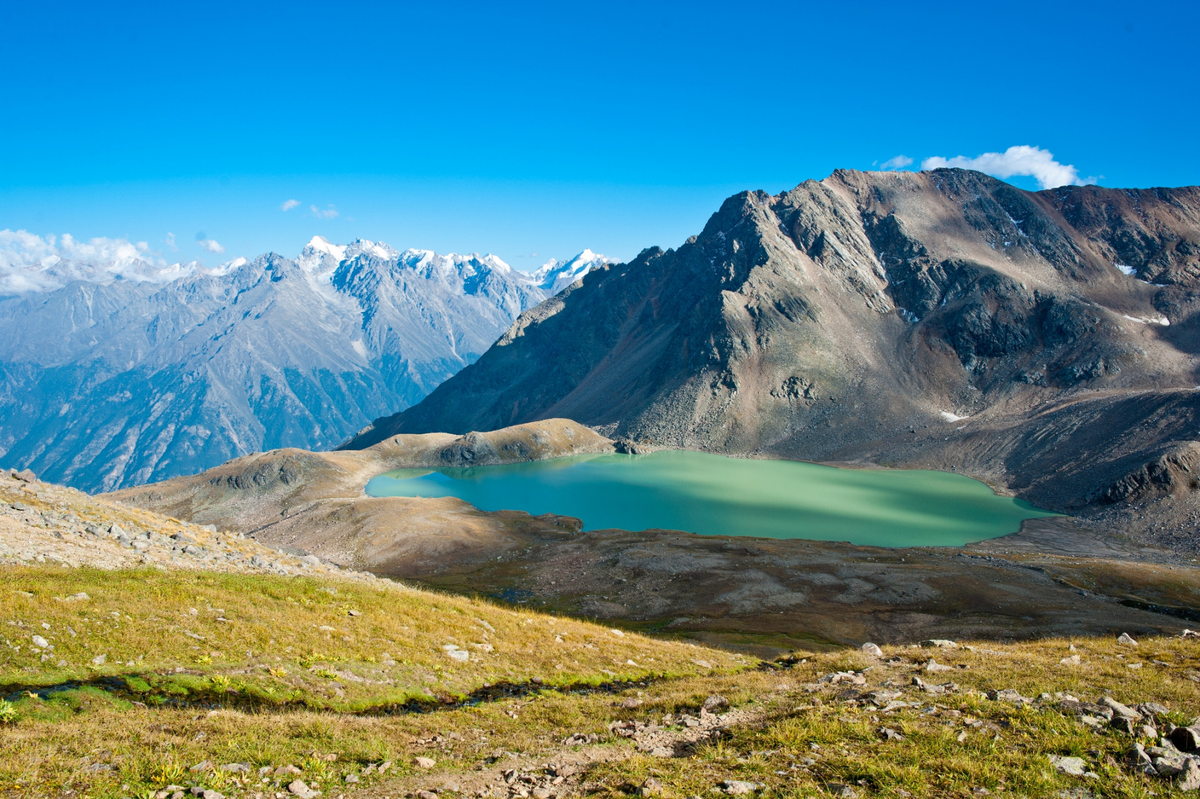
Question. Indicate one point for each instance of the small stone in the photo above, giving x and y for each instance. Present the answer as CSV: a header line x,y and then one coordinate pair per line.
x,y
1074,766
872,650
424,762
714,702
1142,761
236,768
203,765
1126,639
630,703
40,642
651,787
1008,695
80,597
298,788
1120,710
426,795
25,476
1123,724
310,560
454,653
1185,739
739,787
211,794
1152,710
842,790
351,778
888,734
1170,764
1189,780
933,666
283,771
939,643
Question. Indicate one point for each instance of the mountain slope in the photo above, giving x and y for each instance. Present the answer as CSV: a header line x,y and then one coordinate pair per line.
x,y
108,382
885,316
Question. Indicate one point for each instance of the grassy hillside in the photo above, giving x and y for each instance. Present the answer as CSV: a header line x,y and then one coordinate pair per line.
x,y
148,643
243,676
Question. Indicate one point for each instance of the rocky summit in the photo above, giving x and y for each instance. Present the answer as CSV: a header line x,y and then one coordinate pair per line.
x,y
116,378
1045,342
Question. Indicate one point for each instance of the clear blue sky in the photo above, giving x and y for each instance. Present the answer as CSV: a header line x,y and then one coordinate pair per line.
x,y
547,128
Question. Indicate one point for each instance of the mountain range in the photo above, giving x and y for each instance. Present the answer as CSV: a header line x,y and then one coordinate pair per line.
x,y
1046,342
120,371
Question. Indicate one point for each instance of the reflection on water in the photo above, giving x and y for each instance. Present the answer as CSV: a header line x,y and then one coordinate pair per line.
x,y
715,495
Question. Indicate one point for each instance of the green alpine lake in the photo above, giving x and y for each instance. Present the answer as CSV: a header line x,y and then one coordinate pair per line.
x,y
716,495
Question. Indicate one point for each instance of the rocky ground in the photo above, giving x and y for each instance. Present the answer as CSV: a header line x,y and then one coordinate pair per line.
x,y
45,523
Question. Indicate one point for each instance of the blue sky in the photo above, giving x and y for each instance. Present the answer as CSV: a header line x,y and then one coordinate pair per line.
x,y
546,128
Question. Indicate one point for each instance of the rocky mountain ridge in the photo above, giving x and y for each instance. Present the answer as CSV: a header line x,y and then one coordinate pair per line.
x,y
108,381
1043,341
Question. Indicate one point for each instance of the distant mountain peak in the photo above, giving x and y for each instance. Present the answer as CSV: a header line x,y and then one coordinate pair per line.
x,y
320,244
248,355
555,275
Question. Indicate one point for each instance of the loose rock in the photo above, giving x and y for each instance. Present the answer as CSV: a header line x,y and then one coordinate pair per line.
x,y
739,787
1185,739
651,787
1074,766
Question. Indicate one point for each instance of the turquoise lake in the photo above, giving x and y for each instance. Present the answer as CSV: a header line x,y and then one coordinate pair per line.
x,y
714,495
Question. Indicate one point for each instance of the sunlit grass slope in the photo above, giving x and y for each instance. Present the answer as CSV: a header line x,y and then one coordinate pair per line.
x,y
242,685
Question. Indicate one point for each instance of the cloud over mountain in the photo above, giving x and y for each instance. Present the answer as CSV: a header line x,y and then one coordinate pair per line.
x,y
31,263
1020,160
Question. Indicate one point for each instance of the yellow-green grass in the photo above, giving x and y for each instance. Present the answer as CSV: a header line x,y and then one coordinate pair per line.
x,y
101,736
1005,748
337,644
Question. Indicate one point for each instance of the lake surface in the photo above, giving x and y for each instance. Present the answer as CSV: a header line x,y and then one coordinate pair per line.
x,y
714,495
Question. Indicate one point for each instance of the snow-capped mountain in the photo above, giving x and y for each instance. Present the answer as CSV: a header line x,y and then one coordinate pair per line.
x,y
118,369
556,275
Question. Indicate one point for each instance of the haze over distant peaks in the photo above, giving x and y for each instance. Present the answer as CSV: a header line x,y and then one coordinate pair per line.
x,y
117,368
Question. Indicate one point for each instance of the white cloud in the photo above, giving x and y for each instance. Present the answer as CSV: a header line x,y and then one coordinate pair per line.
x,y
328,213
170,242
899,162
1020,160
31,263
211,245
289,205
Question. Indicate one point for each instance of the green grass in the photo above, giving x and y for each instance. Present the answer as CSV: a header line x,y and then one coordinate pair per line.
x,y
269,687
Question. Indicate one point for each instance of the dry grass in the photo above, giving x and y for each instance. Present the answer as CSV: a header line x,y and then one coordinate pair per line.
x,y
269,687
